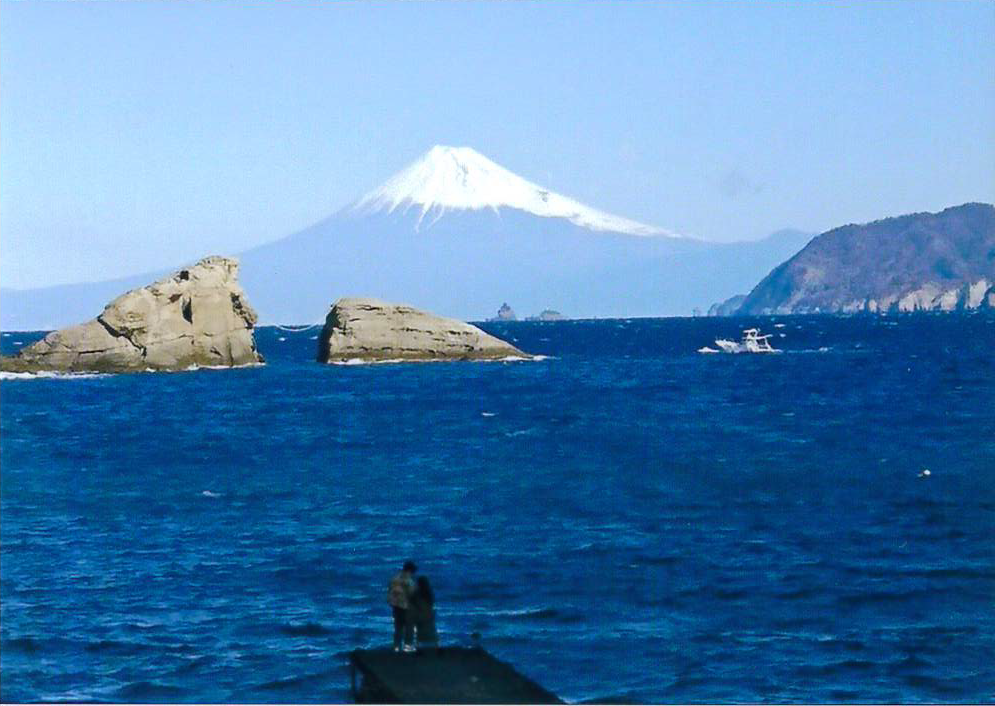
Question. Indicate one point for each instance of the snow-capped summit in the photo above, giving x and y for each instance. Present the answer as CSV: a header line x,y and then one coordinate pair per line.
x,y
460,178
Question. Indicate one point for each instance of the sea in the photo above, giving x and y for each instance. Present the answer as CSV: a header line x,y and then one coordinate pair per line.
x,y
624,520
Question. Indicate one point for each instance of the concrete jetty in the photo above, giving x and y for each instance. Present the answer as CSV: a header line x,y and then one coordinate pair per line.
x,y
447,675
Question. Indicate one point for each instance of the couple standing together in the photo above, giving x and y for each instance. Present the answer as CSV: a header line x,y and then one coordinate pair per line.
x,y
413,605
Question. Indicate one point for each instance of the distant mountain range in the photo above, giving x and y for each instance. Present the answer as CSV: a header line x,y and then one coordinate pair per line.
x,y
456,234
920,262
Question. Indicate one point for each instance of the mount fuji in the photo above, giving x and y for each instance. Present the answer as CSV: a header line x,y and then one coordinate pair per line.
x,y
449,179
458,234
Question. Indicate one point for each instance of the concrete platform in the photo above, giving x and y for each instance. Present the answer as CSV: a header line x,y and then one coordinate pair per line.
x,y
448,675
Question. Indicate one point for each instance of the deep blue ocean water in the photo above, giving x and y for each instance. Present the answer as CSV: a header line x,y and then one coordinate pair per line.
x,y
626,520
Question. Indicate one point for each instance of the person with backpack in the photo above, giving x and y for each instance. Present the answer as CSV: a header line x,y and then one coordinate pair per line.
x,y
401,588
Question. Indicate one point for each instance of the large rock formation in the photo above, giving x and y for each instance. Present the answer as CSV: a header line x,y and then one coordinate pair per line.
x,y
921,262
198,316
372,330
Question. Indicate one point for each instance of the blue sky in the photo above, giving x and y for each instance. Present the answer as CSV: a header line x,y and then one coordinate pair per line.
x,y
136,136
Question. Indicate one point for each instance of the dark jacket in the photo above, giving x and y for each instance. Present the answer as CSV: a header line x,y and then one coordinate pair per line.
x,y
422,614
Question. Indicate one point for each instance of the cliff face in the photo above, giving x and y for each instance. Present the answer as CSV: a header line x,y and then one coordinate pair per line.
x,y
372,330
727,308
921,262
197,316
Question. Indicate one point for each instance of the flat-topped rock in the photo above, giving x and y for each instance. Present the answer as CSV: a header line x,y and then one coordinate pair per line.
x,y
373,330
198,316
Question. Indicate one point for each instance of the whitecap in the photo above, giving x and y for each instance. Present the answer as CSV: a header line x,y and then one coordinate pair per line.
x,y
361,361
48,375
487,414
524,612
195,367
384,361
209,494
519,358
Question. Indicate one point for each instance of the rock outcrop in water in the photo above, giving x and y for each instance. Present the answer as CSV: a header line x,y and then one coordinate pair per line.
x,y
372,330
505,313
199,316
547,315
921,262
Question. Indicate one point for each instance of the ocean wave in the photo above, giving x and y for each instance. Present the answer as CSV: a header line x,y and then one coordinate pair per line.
x,y
686,681
149,691
120,647
658,560
622,697
947,687
950,572
520,432
527,613
304,630
872,598
194,368
52,375
841,668
285,683
911,663
298,681
395,361
384,361
48,375
830,643
194,664
531,613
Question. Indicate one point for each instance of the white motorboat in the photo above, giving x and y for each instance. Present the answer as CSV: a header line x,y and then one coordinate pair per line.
x,y
752,342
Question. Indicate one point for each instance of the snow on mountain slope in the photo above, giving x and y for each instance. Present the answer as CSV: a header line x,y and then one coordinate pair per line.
x,y
460,178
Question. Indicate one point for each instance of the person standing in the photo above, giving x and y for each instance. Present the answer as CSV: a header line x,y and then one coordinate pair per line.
x,y
401,588
422,614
